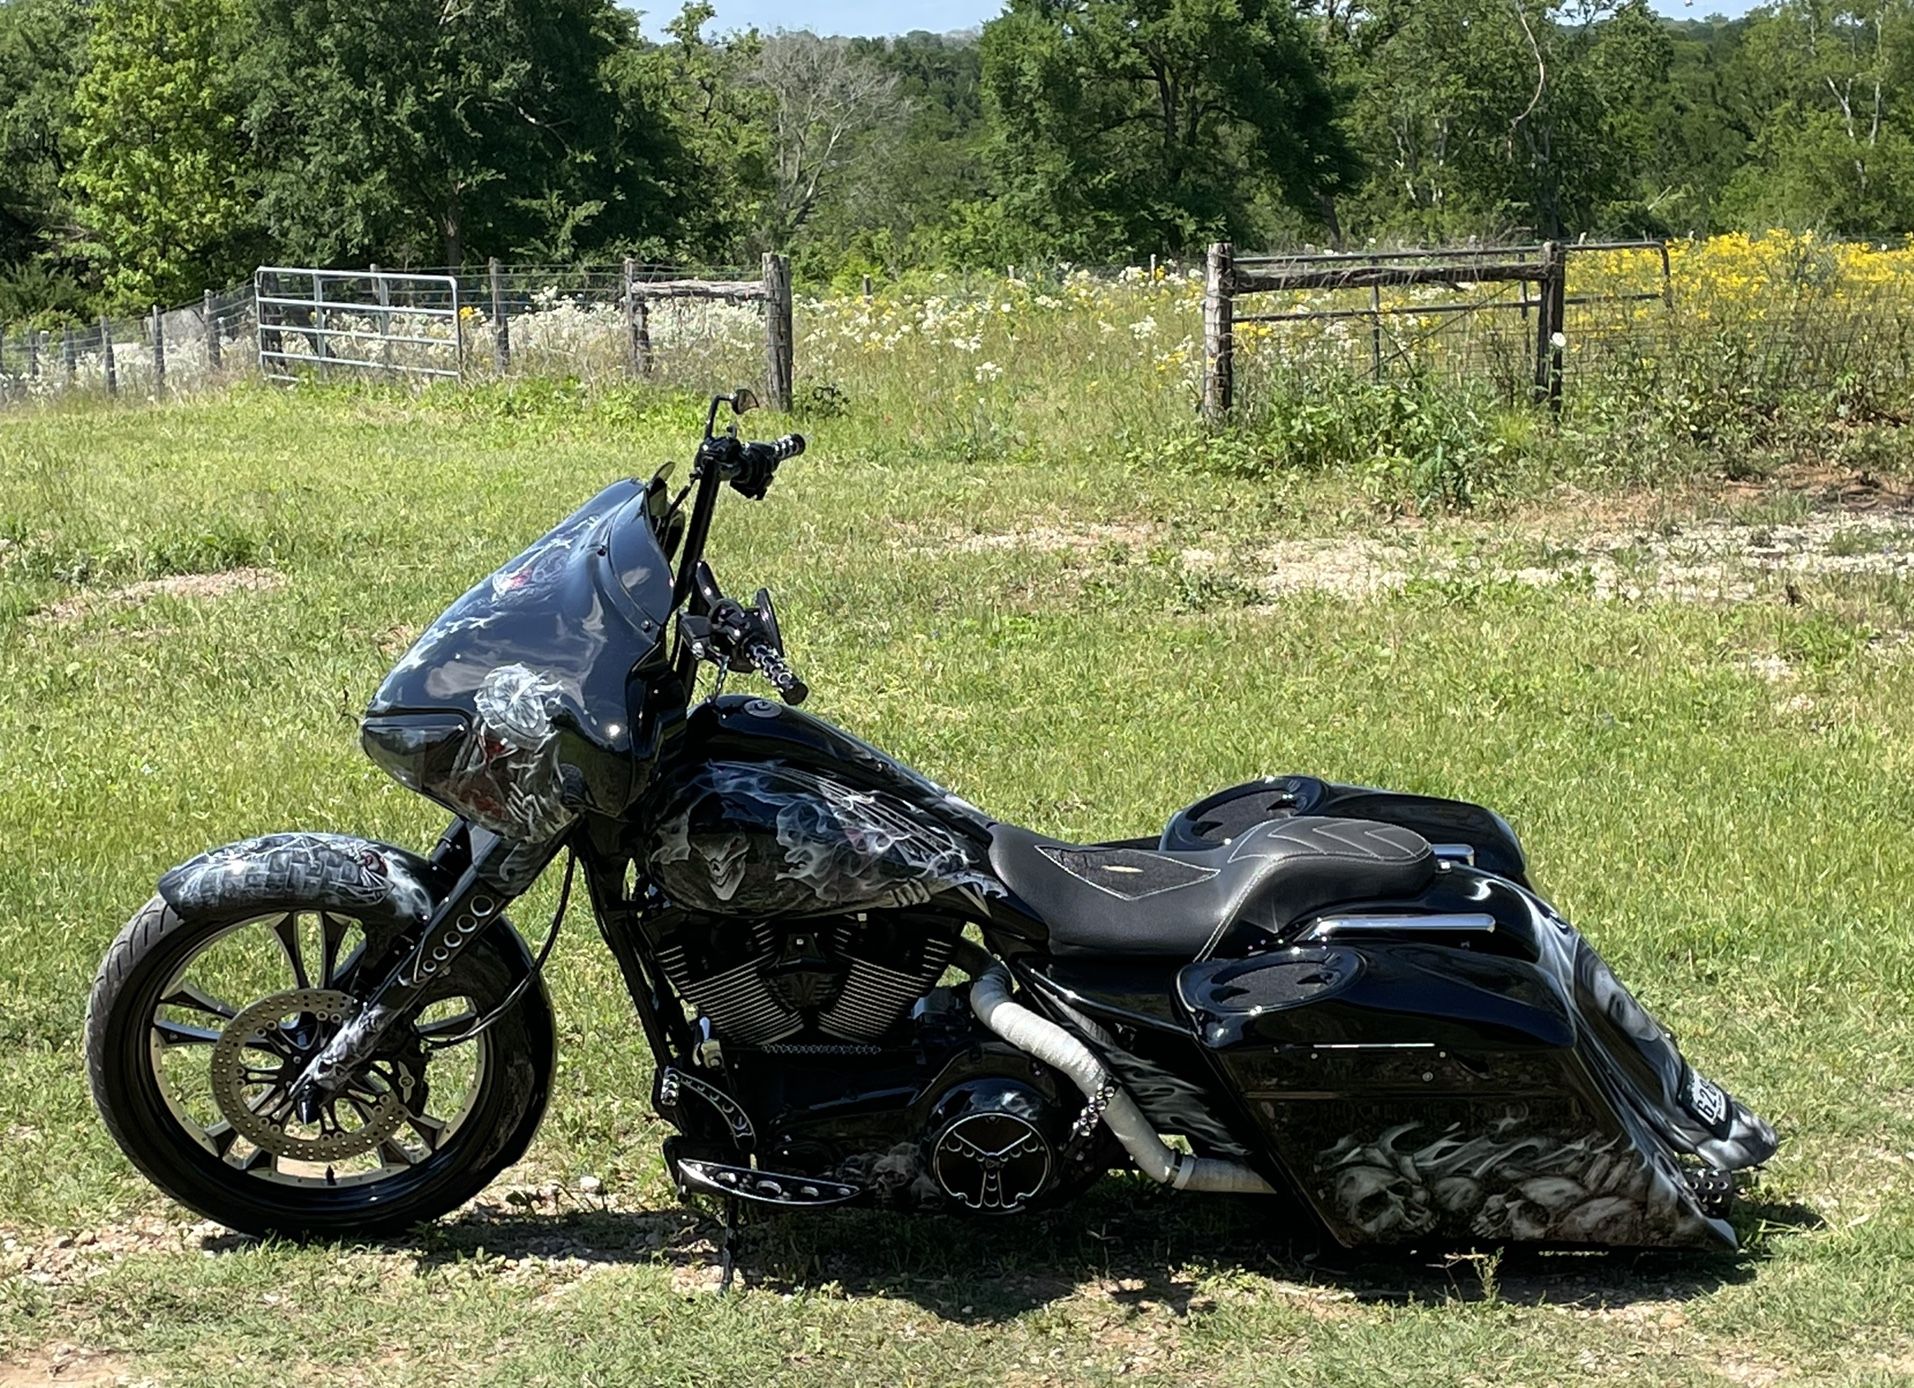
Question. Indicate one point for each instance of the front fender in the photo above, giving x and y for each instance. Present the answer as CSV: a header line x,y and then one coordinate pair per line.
x,y
305,872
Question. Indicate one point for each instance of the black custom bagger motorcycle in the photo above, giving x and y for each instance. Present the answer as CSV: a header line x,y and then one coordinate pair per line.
x,y
1346,994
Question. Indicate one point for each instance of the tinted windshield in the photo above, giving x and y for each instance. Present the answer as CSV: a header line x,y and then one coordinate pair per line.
x,y
577,610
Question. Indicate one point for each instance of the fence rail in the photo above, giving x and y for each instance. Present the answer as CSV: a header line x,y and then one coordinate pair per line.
x,y
1540,274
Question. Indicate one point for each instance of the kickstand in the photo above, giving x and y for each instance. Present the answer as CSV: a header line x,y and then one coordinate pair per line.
x,y
732,1218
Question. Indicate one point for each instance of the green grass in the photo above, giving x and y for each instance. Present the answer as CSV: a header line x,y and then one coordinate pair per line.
x,y
1737,837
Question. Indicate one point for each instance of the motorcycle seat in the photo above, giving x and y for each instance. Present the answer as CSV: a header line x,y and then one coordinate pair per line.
x,y
1114,900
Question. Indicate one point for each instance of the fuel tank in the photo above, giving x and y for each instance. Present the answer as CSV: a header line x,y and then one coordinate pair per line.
x,y
766,811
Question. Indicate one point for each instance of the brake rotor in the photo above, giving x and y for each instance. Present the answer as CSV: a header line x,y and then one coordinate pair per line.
x,y
267,1120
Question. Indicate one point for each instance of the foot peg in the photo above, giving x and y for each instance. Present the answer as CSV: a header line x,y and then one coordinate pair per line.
x,y
759,1187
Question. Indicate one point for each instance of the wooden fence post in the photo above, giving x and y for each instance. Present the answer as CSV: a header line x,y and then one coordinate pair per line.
x,y
209,323
867,286
383,293
106,355
501,330
1219,334
1375,333
1550,314
71,357
778,372
159,352
637,323
33,354
3,349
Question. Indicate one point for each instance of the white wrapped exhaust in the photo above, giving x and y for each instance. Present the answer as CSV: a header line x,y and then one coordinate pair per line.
x,y
990,1000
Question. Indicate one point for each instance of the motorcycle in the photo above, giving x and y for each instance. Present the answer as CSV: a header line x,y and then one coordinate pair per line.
x,y
1350,996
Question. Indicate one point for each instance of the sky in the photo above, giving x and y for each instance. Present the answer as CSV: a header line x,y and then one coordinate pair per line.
x,y
899,16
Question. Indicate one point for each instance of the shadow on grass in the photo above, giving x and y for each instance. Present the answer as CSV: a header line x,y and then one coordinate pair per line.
x,y
1127,1240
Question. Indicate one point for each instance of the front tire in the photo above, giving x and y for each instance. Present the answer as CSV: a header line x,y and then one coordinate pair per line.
x,y
195,1023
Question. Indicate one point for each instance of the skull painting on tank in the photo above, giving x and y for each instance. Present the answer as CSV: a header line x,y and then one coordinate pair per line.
x,y
769,839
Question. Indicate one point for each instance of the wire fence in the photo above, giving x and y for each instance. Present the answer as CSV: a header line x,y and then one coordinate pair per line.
x,y
1753,315
593,323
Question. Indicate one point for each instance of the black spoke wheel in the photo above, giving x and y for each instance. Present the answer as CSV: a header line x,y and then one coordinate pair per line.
x,y
197,1028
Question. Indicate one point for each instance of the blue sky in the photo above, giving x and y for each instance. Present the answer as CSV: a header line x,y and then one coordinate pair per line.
x,y
892,17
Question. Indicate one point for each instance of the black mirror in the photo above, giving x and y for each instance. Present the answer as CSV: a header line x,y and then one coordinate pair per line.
x,y
743,399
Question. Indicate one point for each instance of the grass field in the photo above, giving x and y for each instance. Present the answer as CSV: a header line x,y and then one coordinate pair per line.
x,y
1693,704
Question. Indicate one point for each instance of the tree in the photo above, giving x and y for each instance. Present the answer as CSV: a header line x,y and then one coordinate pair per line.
x,y
704,90
1835,149
42,53
918,179
412,132
1124,127
825,95
1485,116
156,124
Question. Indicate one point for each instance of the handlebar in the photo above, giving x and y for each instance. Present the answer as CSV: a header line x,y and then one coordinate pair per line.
x,y
777,672
782,450
749,467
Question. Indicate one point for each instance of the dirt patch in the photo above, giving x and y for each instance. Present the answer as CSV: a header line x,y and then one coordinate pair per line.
x,y
196,587
1701,561
1068,538
65,1365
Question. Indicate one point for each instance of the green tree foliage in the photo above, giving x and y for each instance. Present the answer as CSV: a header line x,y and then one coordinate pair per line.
x,y
157,185
424,132
1130,126
151,147
1836,149
1526,116
42,53
702,88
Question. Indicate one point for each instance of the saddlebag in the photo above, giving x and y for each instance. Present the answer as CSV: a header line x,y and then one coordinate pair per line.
x,y
1419,1086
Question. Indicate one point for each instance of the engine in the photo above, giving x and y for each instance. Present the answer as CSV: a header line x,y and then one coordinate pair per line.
x,y
847,978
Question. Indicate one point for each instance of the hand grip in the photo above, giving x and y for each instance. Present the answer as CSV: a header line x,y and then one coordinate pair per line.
x,y
778,672
786,448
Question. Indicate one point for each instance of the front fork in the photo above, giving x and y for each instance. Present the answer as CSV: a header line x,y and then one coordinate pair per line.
x,y
491,872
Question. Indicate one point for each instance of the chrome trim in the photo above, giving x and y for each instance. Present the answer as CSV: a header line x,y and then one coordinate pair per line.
x,y
1463,853
1450,923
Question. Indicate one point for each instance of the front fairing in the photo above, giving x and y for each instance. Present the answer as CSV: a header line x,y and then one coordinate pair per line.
x,y
514,707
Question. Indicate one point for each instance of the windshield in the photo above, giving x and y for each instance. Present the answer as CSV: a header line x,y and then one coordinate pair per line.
x,y
574,613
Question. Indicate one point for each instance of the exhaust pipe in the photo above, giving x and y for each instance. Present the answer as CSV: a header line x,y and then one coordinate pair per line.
x,y
990,1000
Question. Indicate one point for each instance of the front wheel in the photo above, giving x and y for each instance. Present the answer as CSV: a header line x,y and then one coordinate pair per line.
x,y
197,1027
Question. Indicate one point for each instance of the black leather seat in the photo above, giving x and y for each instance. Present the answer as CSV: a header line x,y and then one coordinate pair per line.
x,y
1137,901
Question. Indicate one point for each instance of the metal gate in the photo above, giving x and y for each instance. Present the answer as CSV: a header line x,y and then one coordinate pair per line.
x,y
315,322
